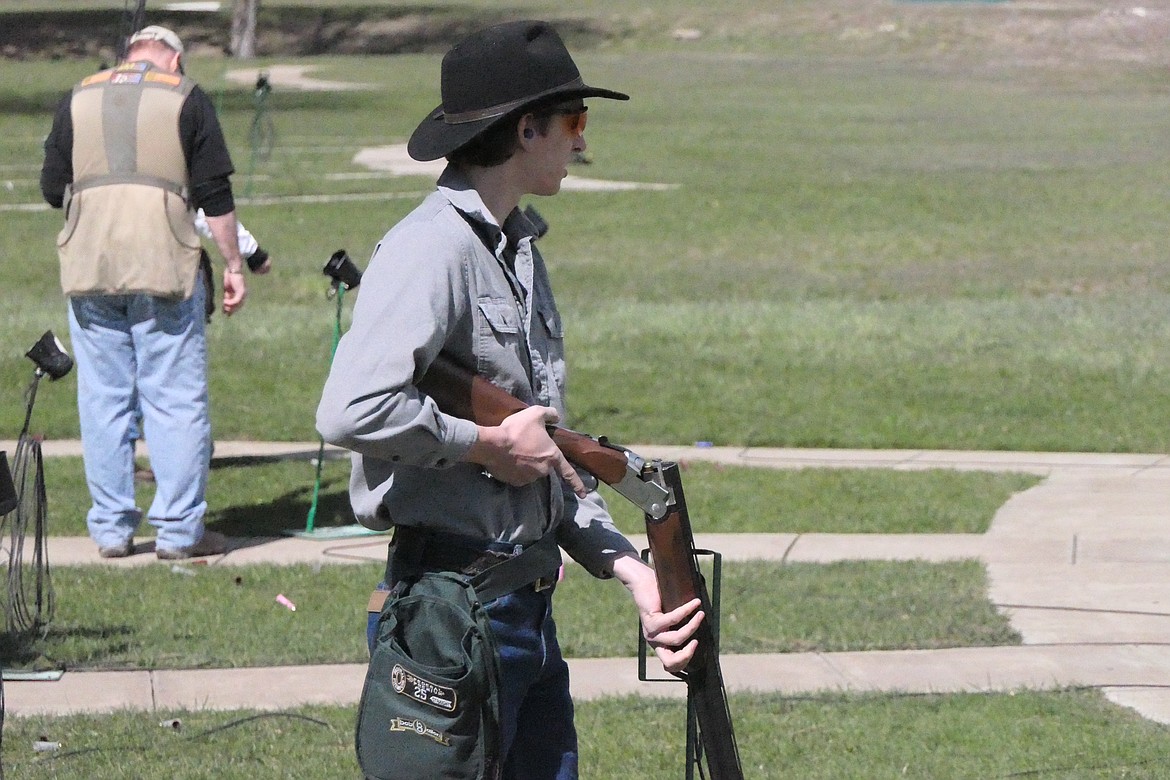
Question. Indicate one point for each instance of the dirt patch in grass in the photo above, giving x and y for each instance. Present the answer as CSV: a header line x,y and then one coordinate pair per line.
x,y
977,35
281,31
971,34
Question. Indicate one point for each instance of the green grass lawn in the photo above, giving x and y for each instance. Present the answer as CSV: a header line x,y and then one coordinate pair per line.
x,y
891,225
859,250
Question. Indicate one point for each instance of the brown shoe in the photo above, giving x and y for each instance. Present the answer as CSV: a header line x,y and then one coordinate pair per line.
x,y
212,543
117,550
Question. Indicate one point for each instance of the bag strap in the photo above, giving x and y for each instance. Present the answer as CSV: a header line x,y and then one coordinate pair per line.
x,y
533,563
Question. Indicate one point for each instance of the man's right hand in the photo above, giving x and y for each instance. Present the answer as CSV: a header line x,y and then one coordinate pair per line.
x,y
519,450
234,291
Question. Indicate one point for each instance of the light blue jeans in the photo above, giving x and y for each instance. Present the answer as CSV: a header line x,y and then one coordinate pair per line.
x,y
153,351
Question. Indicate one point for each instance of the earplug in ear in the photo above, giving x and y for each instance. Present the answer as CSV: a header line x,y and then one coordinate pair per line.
x,y
528,133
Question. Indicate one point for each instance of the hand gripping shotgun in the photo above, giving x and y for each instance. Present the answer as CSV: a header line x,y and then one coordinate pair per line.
x,y
656,488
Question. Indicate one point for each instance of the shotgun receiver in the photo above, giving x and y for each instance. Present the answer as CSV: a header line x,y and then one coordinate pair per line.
x,y
656,488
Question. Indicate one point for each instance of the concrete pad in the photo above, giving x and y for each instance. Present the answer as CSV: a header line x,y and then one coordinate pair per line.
x,y
735,547
789,673
953,670
1118,665
50,448
777,458
264,688
1043,627
1040,550
55,448
291,550
828,548
281,550
1002,668
293,77
1104,548
1105,463
595,678
1151,703
78,692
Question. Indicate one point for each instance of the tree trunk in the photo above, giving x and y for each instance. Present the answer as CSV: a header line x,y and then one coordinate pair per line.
x,y
243,41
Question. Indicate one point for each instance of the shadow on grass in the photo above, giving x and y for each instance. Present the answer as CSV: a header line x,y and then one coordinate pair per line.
x,y
284,513
25,650
236,461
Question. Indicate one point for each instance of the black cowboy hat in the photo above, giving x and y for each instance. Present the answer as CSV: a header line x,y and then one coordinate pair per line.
x,y
493,74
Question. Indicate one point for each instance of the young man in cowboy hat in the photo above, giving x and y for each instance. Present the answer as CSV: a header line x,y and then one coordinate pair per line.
x,y
462,275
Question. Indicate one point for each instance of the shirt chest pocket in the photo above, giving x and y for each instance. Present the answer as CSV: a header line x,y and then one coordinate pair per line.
x,y
500,335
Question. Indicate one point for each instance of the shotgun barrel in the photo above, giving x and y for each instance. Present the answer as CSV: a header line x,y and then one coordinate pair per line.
x,y
659,493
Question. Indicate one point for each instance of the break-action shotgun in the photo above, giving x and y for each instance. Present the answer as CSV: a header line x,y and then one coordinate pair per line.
x,y
656,488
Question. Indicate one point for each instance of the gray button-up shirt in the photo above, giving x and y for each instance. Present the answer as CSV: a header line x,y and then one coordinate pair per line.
x,y
449,278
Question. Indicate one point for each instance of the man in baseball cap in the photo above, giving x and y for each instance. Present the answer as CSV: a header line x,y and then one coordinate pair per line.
x,y
461,276
133,151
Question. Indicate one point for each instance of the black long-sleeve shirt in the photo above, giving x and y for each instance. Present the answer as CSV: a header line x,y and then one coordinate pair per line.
x,y
209,165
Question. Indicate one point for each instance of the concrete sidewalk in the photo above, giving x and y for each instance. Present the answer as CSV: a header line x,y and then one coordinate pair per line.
x,y
1080,564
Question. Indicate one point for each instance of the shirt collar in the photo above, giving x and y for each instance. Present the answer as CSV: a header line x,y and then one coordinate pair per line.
x,y
456,188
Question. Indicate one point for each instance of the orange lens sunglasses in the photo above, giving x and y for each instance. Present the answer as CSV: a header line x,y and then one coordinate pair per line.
x,y
574,118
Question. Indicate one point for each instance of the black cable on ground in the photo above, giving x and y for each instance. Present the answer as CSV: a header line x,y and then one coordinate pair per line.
x,y
9,500
28,607
72,754
25,502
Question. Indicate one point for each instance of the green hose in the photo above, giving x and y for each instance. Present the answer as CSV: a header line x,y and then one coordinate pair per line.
x,y
321,450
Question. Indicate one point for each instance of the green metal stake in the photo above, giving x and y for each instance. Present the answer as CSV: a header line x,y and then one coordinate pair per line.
x,y
262,134
321,451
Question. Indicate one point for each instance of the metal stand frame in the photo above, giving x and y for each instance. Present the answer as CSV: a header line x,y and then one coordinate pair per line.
x,y
693,756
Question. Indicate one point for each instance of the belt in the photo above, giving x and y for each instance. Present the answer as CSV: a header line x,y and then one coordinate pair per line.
x,y
378,597
493,572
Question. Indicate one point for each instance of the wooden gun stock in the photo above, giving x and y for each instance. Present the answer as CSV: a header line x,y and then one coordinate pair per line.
x,y
672,546
460,393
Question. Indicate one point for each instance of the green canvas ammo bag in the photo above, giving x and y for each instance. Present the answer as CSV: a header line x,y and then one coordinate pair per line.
x,y
429,709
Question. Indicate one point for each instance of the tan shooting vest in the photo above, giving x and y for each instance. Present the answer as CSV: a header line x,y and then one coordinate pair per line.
x,y
128,225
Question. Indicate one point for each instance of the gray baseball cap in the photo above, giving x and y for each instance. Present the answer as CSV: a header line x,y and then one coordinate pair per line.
x,y
156,33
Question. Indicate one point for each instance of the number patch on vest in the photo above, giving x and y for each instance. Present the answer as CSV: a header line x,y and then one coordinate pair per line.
x,y
438,696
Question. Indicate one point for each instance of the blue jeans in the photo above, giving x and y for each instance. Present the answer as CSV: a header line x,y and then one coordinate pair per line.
x,y
152,349
536,711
